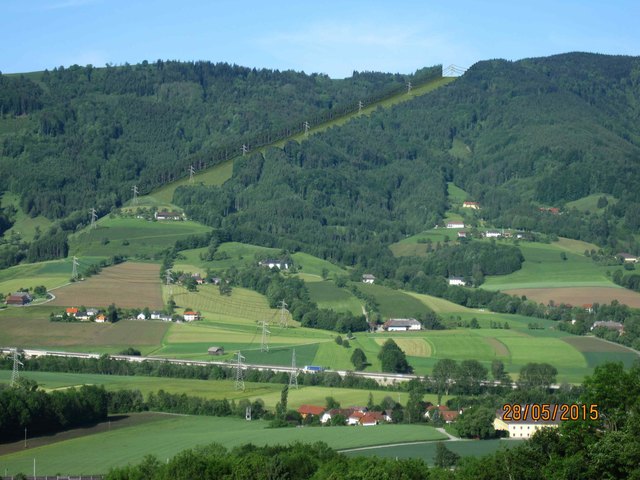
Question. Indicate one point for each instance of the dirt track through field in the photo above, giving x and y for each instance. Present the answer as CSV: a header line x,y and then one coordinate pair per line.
x,y
128,285
578,296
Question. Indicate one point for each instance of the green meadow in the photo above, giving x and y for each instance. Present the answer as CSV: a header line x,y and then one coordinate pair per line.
x,y
544,266
131,236
165,437
327,295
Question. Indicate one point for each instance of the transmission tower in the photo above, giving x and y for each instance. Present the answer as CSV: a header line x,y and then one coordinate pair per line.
x,y
169,278
192,171
306,128
239,373
74,271
94,217
264,344
245,149
134,189
15,374
360,106
293,374
409,87
284,314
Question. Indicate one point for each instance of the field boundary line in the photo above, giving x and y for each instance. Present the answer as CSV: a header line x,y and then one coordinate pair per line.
x,y
421,442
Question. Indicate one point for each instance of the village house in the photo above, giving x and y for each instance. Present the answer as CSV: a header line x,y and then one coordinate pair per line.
x,y
457,281
528,425
215,350
101,318
310,410
443,412
627,257
270,263
71,311
190,316
372,418
402,324
164,215
141,316
455,225
492,234
368,278
473,205
329,414
462,234
609,325
18,298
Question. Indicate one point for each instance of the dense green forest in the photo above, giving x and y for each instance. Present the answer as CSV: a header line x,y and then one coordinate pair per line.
x,y
516,135
84,136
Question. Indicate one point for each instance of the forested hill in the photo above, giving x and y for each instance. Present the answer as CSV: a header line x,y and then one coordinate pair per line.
x,y
81,137
517,135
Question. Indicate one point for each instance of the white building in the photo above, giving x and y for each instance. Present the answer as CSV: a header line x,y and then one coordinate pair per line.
x,y
457,281
455,225
492,234
368,278
402,324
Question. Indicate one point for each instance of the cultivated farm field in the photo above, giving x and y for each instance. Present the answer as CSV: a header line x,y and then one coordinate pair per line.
x,y
128,285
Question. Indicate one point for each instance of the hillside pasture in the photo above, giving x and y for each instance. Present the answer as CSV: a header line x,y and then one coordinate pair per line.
x,y
597,351
579,295
131,237
394,303
327,295
128,285
544,267
166,437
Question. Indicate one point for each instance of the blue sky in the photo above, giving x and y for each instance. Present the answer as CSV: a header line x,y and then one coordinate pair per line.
x,y
324,36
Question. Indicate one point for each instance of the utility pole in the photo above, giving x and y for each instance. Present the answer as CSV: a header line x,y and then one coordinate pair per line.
x,y
306,128
239,373
94,217
134,189
264,344
245,149
192,171
284,317
15,374
293,374
74,271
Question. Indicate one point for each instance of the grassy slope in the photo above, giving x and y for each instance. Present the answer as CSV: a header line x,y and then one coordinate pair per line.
x,y
164,438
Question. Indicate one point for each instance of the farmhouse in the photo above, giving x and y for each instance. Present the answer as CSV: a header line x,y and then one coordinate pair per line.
x,y
368,278
18,298
216,350
442,411
457,281
270,263
462,234
72,311
402,324
609,325
528,425
329,414
372,418
627,258
455,225
473,205
141,316
164,215
310,410
190,316
101,318
492,234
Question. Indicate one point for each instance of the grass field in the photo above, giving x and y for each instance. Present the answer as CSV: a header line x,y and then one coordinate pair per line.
x,y
24,224
455,194
427,451
128,285
590,203
394,303
327,295
544,268
131,236
166,437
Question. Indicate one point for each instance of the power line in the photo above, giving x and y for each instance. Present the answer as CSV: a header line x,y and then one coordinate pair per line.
x,y
284,317
94,217
239,373
15,374
134,189
264,344
74,271
293,374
